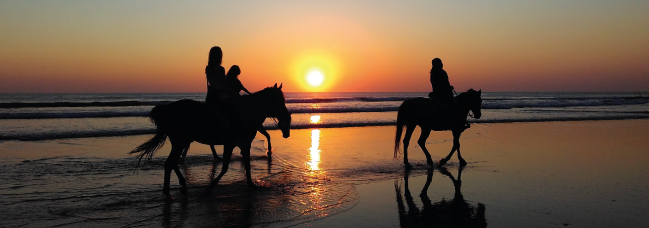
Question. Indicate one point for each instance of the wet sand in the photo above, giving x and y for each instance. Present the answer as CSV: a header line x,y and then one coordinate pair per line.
x,y
548,174
551,174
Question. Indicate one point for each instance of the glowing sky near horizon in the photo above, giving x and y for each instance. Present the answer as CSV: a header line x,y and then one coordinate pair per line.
x,y
375,46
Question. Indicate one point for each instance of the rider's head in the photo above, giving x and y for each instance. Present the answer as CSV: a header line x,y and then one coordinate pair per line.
x,y
234,71
216,56
437,63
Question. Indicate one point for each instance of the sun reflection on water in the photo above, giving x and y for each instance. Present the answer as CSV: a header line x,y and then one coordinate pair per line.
x,y
317,189
314,151
315,119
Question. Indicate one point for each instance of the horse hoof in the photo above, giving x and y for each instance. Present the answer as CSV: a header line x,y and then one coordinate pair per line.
x,y
269,153
408,166
183,191
430,163
442,162
463,163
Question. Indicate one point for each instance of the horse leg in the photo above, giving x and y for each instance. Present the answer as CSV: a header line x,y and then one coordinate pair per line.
x,y
216,156
245,153
456,144
406,142
183,155
265,133
181,179
425,132
227,154
177,147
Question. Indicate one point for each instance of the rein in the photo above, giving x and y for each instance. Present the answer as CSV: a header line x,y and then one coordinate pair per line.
x,y
470,113
262,100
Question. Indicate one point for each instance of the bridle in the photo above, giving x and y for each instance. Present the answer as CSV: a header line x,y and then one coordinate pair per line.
x,y
470,112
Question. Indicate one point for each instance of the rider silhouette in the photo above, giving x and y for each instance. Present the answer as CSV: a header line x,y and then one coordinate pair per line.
x,y
217,89
234,84
442,89
442,95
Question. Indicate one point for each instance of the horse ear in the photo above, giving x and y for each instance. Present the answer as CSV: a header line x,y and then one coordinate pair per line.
x,y
479,91
280,85
275,86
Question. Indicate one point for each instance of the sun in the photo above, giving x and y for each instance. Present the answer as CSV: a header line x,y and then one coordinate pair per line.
x,y
315,78
315,70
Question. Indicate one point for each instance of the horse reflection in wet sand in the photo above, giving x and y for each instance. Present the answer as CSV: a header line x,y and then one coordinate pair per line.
x,y
186,121
445,213
421,112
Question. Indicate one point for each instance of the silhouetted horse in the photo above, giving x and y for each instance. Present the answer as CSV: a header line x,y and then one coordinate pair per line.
x,y
186,121
445,213
421,112
261,130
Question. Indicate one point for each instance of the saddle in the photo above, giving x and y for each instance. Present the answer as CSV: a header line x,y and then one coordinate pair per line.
x,y
222,114
443,116
440,106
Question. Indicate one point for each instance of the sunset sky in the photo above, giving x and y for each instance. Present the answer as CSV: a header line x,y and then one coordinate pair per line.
x,y
358,46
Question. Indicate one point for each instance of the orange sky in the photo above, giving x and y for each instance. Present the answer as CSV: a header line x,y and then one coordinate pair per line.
x,y
376,46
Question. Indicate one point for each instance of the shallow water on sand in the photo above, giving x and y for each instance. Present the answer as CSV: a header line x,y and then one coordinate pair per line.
x,y
586,174
92,182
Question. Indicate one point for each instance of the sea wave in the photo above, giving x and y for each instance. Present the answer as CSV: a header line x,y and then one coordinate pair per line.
x,y
503,102
351,105
29,135
8,105
561,102
79,104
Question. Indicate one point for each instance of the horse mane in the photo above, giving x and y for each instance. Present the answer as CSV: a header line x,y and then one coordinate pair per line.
x,y
265,92
469,93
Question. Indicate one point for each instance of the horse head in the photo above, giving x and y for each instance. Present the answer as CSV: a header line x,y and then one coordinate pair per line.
x,y
472,99
277,109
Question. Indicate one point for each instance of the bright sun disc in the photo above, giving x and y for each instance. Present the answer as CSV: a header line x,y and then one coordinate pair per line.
x,y
315,78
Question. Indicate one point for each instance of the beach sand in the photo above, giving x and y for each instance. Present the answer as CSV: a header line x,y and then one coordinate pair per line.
x,y
546,174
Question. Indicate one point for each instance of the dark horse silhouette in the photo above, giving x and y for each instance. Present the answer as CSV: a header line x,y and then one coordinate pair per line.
x,y
421,112
186,121
445,213
261,130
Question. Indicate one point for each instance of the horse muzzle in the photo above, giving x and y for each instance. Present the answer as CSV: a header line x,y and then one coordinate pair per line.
x,y
285,127
286,131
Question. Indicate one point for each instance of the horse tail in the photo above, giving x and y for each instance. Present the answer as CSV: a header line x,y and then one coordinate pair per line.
x,y
158,117
148,148
401,122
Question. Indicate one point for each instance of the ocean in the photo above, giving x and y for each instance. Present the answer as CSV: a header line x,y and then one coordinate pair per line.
x,y
58,116
64,161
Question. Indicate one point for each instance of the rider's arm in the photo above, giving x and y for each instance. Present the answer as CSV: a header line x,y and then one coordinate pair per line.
x,y
245,90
